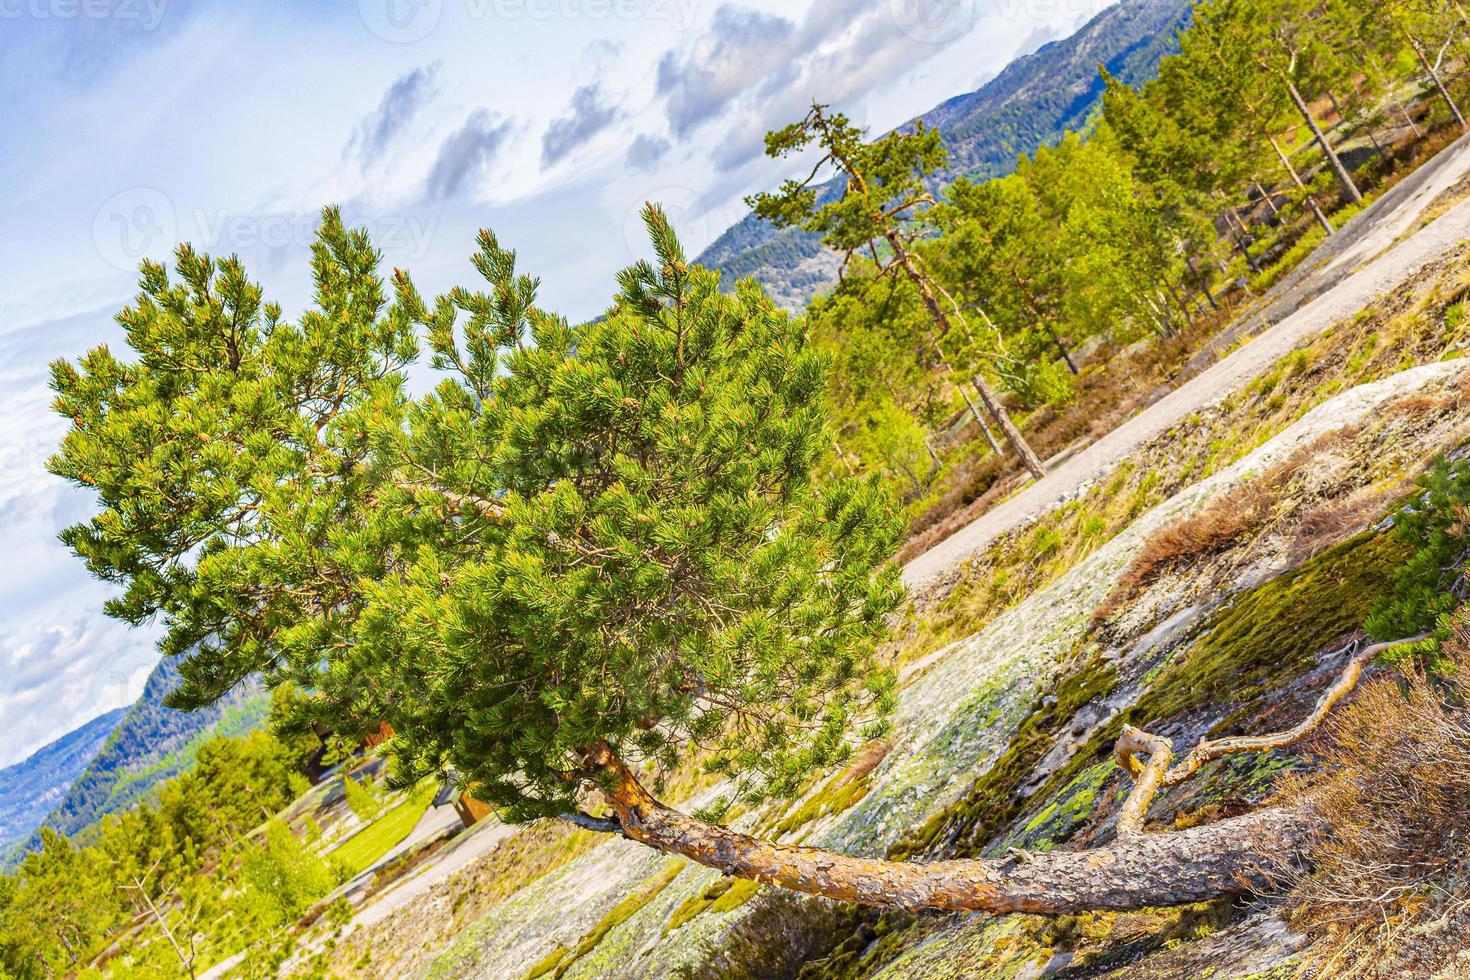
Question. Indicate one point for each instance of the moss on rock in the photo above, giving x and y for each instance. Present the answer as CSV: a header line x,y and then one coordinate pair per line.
x,y
992,802
562,959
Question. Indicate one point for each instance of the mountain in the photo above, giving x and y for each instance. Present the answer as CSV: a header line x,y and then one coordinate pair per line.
x,y
1032,103
150,744
29,790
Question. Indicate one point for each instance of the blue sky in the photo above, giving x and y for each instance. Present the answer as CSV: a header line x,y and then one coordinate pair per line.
x,y
132,124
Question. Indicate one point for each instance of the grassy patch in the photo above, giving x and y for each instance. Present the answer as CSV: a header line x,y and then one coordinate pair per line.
x,y
725,895
359,851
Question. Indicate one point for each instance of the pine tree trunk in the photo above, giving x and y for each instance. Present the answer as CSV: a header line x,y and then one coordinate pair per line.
x,y
1444,93
1269,199
1238,234
1413,126
1297,180
1232,857
1179,302
1008,429
1062,347
933,453
980,420
842,457
1205,288
1343,177
988,397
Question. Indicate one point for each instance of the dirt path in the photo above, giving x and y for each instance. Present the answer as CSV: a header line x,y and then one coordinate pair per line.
x,y
1335,285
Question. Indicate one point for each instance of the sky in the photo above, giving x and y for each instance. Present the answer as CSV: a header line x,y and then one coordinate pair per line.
x,y
127,126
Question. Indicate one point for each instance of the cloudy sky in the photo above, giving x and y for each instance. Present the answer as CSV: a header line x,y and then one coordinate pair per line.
x,y
132,124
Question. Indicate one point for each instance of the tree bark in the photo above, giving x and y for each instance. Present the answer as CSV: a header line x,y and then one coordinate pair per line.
x,y
980,420
1343,177
1056,339
1297,180
1235,856
1444,93
1239,234
1413,126
988,397
1270,199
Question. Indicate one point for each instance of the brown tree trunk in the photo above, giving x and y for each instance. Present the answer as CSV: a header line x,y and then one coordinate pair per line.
x,y
1413,126
1232,857
1270,199
1343,177
980,420
1239,234
1444,93
1297,180
988,397
1062,347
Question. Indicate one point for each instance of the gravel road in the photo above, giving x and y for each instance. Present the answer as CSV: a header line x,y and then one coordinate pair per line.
x,y
1362,263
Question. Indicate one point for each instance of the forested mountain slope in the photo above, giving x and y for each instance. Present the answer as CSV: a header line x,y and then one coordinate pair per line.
x,y
150,744
1032,103
30,789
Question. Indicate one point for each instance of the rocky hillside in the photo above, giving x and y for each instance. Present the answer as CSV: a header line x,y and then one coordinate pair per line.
x,y
1030,104
148,745
31,789
1211,582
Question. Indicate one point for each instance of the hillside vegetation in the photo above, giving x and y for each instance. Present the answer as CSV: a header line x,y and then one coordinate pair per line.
x,y
636,585
32,788
1032,103
147,746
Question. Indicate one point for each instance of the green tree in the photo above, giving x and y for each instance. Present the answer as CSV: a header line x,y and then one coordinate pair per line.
x,y
882,188
589,553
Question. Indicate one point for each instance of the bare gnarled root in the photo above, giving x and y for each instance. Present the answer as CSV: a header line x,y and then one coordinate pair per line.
x,y
1155,773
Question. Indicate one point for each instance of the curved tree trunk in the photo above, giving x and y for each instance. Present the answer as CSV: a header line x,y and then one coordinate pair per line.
x,y
1253,852
1235,856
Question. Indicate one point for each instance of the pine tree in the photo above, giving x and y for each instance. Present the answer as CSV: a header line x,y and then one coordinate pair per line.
x,y
590,553
882,187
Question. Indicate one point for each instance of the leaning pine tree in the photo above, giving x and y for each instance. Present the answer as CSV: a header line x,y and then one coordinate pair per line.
x,y
589,555
881,192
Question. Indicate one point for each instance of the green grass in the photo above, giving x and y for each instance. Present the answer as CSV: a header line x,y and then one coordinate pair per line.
x,y
363,848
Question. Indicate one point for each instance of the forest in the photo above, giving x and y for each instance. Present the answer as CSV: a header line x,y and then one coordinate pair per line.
x,y
601,570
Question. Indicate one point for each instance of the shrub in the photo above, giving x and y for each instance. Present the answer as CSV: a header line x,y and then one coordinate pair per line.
x,y
1226,521
1395,789
365,798
1432,582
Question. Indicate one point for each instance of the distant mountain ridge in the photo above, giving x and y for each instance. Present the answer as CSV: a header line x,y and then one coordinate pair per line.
x,y
148,745
31,789
1034,101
